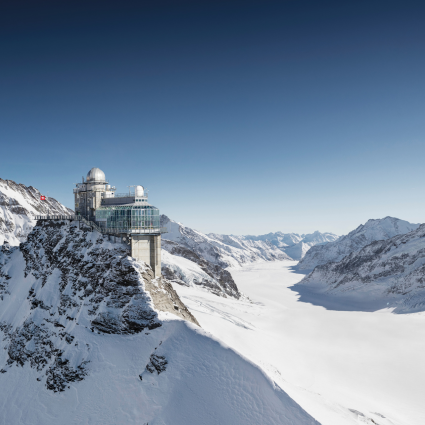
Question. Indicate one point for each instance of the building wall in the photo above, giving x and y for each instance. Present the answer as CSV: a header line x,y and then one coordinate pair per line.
x,y
147,248
89,197
118,201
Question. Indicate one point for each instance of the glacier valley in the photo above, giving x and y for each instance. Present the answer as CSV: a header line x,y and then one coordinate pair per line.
x,y
343,367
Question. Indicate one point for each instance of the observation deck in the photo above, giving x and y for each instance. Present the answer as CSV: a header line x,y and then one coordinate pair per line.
x,y
107,231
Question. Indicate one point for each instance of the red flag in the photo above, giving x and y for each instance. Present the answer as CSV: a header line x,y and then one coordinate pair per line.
x,y
42,197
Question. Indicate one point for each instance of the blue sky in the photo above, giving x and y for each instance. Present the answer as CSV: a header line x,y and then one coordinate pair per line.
x,y
239,117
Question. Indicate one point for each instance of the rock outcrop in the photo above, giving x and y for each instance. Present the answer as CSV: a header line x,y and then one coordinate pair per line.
x,y
66,276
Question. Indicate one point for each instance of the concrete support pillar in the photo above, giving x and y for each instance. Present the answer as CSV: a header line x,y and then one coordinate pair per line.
x,y
147,248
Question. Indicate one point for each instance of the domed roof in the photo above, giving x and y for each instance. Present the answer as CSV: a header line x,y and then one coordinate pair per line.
x,y
139,191
95,174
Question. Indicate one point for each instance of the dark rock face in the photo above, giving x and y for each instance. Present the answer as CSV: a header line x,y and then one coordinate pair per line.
x,y
102,275
70,280
60,374
157,363
394,268
221,282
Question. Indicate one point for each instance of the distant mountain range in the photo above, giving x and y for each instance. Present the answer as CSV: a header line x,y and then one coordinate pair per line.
x,y
223,250
294,244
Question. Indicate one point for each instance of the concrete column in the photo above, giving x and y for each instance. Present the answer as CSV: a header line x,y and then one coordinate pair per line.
x,y
147,248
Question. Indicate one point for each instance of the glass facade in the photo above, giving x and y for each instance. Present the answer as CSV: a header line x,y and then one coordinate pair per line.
x,y
128,217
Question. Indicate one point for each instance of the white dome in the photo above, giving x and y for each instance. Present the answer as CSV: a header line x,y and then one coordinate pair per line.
x,y
96,175
139,191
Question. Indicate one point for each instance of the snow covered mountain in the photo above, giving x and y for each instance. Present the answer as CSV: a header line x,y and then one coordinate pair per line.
x,y
18,206
373,230
90,336
391,271
294,244
192,258
183,266
222,250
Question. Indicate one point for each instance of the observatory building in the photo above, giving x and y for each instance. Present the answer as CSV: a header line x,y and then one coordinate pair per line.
x,y
126,215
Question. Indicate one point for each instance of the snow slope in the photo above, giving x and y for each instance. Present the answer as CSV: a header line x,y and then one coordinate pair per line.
x,y
390,272
222,250
205,382
183,266
342,367
372,230
18,206
294,244
89,336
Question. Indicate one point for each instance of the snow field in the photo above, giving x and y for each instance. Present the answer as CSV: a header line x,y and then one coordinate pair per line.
x,y
188,271
205,383
342,367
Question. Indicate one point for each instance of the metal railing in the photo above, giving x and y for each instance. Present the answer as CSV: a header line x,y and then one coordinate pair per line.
x,y
148,230
129,195
108,231
58,217
70,217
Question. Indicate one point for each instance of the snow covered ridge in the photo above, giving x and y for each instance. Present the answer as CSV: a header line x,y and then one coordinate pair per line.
x,y
18,206
294,244
183,266
221,250
373,230
391,271
88,337
66,276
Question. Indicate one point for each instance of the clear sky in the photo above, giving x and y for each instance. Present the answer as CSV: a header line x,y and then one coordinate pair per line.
x,y
241,117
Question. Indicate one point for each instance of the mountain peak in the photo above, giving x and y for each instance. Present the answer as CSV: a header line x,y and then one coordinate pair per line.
x,y
372,230
19,204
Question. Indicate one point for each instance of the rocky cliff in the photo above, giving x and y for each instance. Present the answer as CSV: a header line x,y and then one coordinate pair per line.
x,y
66,276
